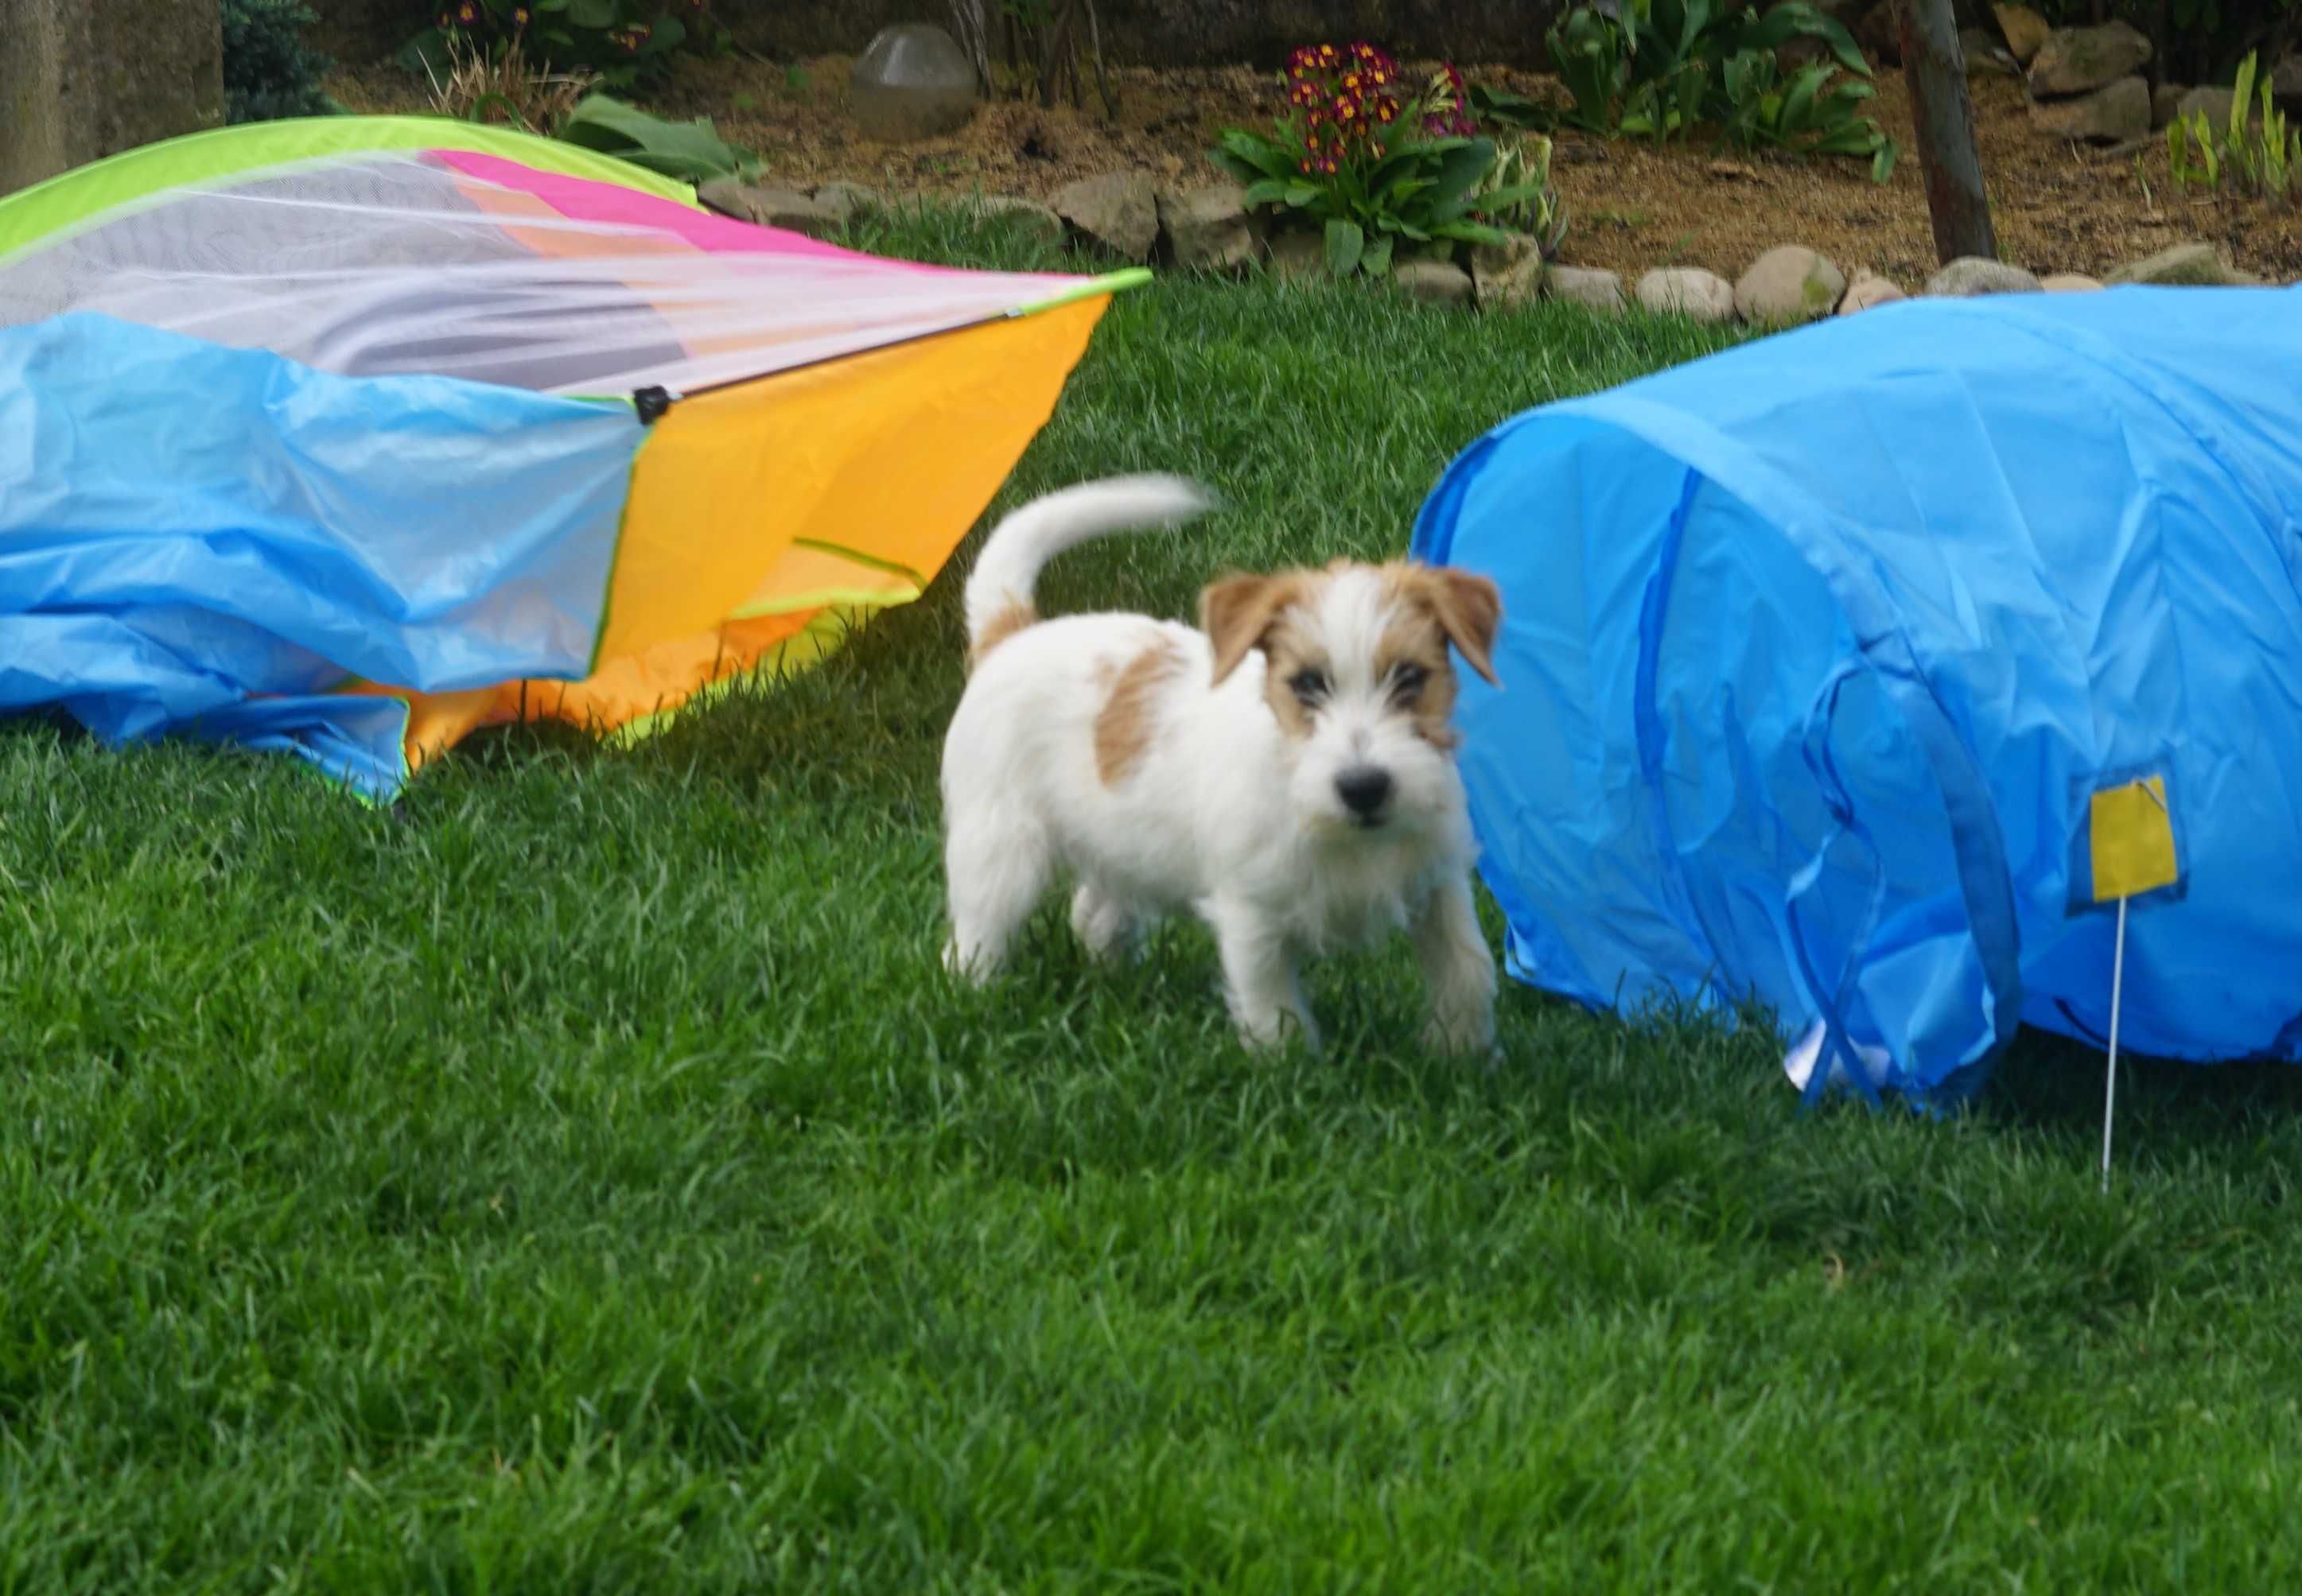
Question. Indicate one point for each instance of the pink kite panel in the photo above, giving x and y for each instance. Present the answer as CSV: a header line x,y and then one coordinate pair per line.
x,y
580,200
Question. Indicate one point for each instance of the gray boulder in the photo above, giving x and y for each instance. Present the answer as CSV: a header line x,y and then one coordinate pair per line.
x,y
2081,60
1973,275
1119,211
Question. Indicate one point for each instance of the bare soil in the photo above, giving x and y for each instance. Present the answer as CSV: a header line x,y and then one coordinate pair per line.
x,y
2057,206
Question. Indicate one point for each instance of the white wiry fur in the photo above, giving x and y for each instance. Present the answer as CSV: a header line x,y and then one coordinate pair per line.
x,y
1222,812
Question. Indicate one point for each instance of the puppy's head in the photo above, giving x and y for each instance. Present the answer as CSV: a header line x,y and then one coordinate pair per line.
x,y
1355,668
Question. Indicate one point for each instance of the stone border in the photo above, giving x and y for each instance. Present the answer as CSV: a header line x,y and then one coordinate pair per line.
x,y
1209,229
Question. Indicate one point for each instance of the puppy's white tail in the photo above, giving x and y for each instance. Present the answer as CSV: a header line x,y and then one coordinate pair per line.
x,y
999,589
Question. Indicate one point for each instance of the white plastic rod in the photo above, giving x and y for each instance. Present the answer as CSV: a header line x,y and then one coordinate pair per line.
x,y
2110,1080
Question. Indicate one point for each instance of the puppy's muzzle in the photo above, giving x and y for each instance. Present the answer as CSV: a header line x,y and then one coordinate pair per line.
x,y
1366,791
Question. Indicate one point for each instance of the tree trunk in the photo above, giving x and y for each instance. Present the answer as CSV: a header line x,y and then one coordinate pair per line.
x,y
80,80
1943,118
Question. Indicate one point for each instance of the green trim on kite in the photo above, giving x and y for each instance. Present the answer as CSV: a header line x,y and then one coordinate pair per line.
x,y
87,194
825,598
801,651
894,568
616,559
344,785
1110,283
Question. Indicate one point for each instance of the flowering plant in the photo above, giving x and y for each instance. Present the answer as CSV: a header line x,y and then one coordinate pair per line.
x,y
1376,159
626,42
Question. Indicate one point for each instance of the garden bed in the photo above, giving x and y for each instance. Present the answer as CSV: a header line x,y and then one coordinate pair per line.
x,y
2058,206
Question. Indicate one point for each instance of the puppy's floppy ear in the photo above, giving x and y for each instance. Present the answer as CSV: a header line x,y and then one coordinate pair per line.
x,y
1469,609
1235,612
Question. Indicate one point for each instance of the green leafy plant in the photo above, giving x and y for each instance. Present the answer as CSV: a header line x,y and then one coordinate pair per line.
x,y
1377,171
1590,53
268,72
1807,114
1658,68
2257,155
627,43
1522,166
690,151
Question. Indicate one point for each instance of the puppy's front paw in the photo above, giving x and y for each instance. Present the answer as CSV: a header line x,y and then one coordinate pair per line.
x,y
1273,1033
975,972
1457,1036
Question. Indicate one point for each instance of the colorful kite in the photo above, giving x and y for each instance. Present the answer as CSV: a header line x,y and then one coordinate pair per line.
x,y
346,437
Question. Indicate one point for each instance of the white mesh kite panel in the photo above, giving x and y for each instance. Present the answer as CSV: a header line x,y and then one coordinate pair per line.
x,y
386,265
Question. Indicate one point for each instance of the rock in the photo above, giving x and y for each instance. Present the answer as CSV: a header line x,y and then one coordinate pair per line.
x,y
2079,60
1585,286
1689,291
2069,282
1788,283
1983,54
2166,104
2023,29
850,200
1206,228
1118,210
1029,215
2187,266
2286,83
1878,33
786,209
2110,115
1970,275
1506,274
1298,254
912,82
2216,102
1867,290
1434,282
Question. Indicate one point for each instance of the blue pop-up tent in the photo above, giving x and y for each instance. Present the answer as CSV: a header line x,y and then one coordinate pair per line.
x,y
1860,670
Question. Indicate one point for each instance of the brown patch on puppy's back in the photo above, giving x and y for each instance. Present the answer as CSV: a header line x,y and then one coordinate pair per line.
x,y
1126,724
1010,618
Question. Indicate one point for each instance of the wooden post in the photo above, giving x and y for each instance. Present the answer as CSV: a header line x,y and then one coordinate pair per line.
x,y
1943,118
84,79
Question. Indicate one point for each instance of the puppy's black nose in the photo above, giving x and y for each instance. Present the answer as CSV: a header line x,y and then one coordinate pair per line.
x,y
1364,789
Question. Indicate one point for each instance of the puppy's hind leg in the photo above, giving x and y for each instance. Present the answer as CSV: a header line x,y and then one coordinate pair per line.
x,y
1104,925
994,867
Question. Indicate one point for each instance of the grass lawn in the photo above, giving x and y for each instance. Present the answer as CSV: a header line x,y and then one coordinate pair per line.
x,y
583,1178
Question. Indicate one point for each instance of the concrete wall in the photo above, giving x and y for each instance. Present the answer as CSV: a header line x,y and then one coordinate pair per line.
x,y
1135,32
80,80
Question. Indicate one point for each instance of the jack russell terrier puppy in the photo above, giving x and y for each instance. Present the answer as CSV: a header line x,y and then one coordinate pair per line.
x,y
1285,772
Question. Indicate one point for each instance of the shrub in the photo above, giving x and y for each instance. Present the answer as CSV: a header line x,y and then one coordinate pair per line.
x,y
1378,169
2256,154
627,43
268,72
506,87
1658,68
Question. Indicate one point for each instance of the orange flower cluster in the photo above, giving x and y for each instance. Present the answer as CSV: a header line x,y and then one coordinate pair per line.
x,y
1349,103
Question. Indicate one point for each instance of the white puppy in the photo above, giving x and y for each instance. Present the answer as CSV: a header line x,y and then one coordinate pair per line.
x,y
1286,772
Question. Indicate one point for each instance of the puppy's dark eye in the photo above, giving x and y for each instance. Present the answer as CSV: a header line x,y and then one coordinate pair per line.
x,y
1309,685
1406,682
